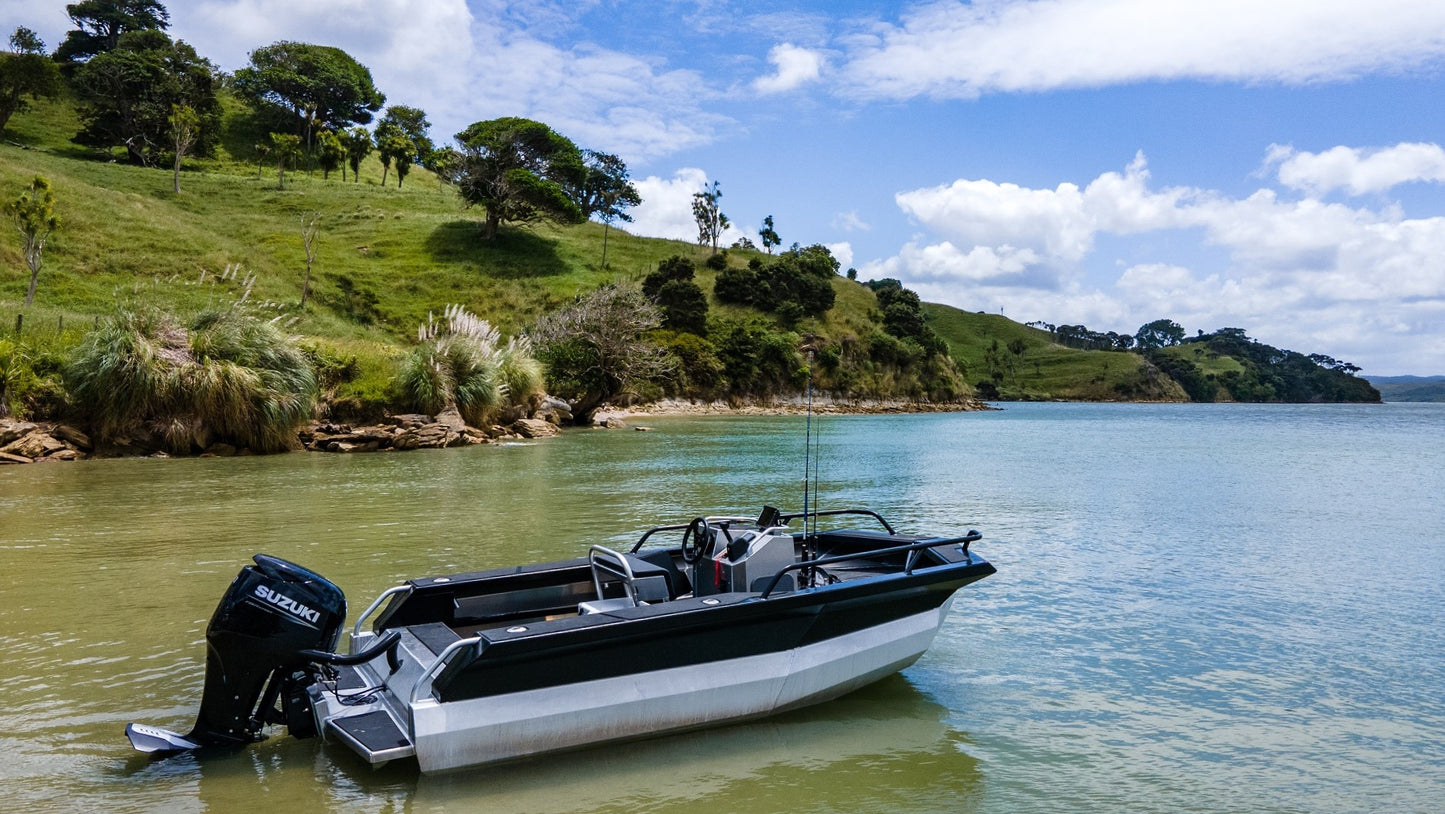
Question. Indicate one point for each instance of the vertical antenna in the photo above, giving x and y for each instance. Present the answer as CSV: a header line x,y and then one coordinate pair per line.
x,y
808,447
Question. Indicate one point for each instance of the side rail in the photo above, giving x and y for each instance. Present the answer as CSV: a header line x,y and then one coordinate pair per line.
x,y
787,518
372,608
424,681
913,551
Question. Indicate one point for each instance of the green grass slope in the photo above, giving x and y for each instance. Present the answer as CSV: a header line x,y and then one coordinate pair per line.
x,y
1045,370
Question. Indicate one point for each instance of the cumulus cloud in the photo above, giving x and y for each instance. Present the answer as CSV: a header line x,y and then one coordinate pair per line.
x,y
960,50
463,67
1292,269
1357,171
795,66
1057,223
666,209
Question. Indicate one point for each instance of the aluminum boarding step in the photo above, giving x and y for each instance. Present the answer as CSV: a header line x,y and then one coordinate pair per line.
x,y
374,735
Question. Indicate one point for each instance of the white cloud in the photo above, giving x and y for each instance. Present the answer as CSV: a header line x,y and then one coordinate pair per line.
x,y
461,67
1058,223
795,66
666,209
842,252
1295,272
850,222
1358,171
960,50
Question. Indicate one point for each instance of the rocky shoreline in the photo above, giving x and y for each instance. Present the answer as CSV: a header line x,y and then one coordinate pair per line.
x,y
24,442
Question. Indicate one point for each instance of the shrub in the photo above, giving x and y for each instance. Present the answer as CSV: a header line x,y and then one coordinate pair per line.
x,y
223,376
462,364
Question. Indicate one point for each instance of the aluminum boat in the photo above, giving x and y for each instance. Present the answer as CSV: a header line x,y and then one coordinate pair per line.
x,y
740,618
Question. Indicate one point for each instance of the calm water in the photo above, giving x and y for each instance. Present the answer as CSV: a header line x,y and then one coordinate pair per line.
x,y
1198,608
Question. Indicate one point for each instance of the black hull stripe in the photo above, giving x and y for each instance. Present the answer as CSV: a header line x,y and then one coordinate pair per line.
x,y
737,629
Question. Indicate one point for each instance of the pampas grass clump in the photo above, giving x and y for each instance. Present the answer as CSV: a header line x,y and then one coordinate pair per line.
x,y
223,376
461,363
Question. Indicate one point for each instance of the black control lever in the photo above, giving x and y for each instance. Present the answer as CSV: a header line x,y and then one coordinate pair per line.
x,y
386,644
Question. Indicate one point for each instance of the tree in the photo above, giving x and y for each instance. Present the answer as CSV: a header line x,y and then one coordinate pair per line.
x,y
26,74
595,349
606,192
185,127
519,170
310,230
444,164
769,235
394,146
673,289
412,123
330,154
385,140
358,146
711,222
33,214
318,85
286,147
1160,333
99,25
129,93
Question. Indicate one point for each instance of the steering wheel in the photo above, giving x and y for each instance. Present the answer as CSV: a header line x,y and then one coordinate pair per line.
x,y
697,537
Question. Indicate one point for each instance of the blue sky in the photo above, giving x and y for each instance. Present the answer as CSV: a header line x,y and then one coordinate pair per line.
x,y
1272,165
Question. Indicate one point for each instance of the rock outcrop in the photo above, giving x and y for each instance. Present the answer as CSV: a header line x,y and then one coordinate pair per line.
x,y
23,442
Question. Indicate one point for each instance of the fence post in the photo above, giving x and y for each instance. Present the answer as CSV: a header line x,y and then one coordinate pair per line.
x,y
19,321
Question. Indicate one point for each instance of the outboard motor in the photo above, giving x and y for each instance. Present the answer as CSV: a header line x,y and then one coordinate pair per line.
x,y
273,627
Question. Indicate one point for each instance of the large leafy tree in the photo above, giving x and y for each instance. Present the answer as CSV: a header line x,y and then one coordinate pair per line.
x,y
129,93
26,74
318,85
99,25
519,170
1161,333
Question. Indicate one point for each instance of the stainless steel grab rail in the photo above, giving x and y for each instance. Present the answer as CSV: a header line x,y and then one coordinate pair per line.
x,y
370,609
424,681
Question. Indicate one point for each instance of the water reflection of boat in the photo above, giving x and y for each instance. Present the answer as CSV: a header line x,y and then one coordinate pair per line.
x,y
743,618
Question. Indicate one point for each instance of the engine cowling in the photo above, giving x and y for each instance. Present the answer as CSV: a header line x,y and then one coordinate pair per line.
x,y
257,647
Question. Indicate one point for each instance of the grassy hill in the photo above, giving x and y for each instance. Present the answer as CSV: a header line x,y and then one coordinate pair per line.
x,y
1045,370
389,256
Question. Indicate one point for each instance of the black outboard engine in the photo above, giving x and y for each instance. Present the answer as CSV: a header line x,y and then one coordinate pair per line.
x,y
272,628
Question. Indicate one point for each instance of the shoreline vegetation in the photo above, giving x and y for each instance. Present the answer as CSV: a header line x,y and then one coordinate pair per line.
x,y
211,280
23,442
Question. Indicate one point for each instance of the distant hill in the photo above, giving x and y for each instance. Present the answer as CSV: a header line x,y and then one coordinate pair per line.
x,y
1005,360
1410,388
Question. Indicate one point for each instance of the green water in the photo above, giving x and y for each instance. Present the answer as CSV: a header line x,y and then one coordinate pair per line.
x,y
1197,608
